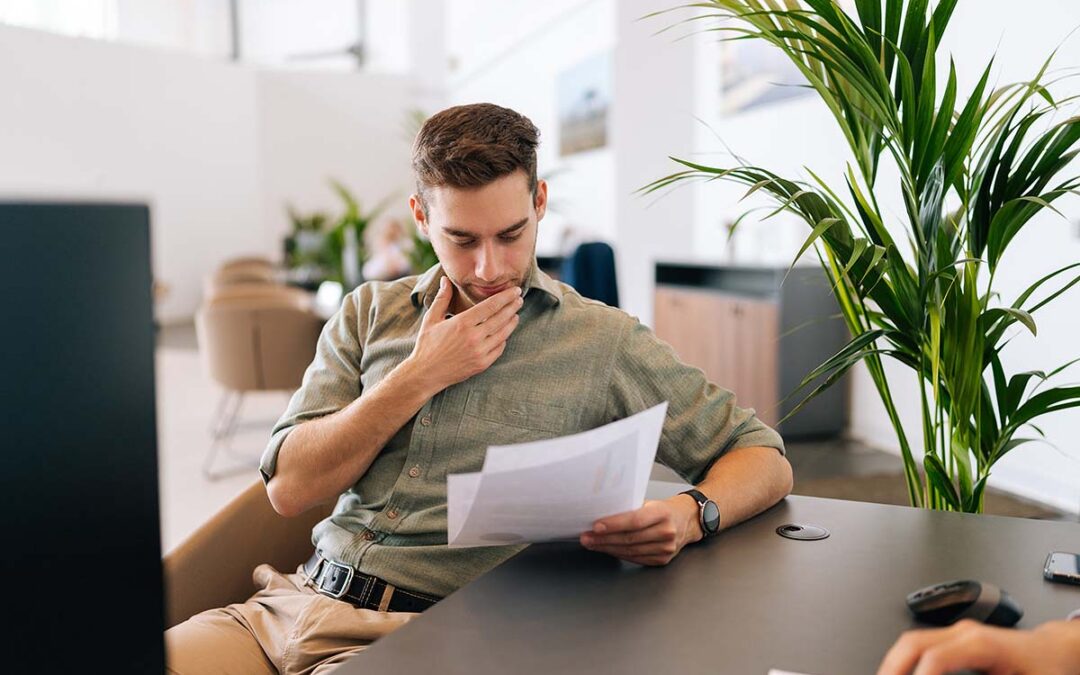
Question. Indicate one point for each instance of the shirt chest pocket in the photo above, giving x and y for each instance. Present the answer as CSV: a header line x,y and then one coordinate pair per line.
x,y
496,420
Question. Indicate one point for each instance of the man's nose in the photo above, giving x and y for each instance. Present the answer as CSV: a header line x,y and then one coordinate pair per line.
x,y
488,266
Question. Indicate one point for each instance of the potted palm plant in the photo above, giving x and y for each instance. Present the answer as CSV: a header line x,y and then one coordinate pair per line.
x,y
920,289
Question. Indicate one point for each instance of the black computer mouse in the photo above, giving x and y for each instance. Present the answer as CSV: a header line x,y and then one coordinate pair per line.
x,y
946,603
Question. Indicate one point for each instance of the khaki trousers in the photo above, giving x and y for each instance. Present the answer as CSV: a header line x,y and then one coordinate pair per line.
x,y
286,627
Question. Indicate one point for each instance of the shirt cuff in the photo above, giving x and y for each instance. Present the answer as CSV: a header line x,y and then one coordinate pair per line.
x,y
1075,616
268,463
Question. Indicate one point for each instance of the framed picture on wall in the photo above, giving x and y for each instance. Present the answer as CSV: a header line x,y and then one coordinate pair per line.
x,y
584,96
754,73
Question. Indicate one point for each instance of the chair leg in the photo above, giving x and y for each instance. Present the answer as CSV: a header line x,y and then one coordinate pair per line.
x,y
233,420
219,413
222,436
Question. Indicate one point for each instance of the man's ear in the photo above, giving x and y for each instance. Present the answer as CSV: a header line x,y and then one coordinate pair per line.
x,y
540,203
417,208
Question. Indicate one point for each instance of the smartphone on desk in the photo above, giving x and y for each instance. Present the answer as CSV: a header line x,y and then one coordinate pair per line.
x,y
1063,567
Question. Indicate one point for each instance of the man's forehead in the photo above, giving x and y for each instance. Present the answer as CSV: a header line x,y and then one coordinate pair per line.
x,y
508,188
480,211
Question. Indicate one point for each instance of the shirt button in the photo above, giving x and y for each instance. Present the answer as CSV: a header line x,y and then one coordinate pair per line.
x,y
392,514
368,535
426,421
414,472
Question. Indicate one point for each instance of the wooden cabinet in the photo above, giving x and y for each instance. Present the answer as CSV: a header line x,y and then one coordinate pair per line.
x,y
755,334
732,339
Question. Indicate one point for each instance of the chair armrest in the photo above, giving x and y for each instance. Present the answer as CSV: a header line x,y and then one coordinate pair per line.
x,y
212,567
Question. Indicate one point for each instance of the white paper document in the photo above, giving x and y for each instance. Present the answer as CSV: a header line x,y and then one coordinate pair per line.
x,y
554,489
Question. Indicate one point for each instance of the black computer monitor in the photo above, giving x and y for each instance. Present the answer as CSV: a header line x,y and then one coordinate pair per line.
x,y
78,466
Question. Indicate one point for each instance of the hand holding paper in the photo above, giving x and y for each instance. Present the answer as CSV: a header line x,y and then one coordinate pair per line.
x,y
554,489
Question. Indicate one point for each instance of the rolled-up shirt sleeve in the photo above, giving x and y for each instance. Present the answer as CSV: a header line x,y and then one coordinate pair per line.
x,y
331,382
703,421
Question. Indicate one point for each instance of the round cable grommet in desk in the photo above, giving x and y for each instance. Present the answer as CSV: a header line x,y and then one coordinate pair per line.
x,y
802,532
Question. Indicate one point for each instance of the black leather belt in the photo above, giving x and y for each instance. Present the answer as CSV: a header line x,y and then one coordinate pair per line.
x,y
363,590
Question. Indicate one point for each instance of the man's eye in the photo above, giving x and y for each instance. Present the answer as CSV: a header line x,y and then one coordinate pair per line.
x,y
466,243
511,237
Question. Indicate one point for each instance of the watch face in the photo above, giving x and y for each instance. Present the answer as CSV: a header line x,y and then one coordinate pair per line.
x,y
710,517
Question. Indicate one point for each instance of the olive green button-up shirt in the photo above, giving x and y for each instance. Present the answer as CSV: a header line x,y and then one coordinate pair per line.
x,y
572,364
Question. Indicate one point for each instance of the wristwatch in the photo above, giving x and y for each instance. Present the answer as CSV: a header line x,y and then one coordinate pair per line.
x,y
708,512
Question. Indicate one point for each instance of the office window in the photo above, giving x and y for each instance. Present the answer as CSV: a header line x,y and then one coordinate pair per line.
x,y
78,18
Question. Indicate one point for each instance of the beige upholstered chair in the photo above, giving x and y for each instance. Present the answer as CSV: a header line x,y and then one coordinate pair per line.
x,y
258,289
225,277
212,567
247,262
253,339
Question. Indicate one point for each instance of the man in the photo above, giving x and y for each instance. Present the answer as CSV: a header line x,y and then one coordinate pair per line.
x,y
413,379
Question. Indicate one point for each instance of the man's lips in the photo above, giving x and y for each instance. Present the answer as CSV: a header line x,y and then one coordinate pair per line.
x,y
492,290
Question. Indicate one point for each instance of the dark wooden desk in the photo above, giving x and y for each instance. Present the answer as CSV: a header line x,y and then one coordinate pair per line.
x,y
742,603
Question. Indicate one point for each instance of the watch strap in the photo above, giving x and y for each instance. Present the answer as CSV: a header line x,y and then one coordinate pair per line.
x,y
699,497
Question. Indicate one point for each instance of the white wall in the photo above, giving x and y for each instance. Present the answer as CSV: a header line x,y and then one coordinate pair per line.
x,y
292,33
90,119
512,54
656,80
314,126
215,148
202,27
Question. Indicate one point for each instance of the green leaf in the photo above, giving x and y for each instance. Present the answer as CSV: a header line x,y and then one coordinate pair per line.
x,y
974,503
818,230
1051,400
931,150
851,349
1007,316
938,477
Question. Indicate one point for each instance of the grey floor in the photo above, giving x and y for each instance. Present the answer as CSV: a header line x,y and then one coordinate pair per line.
x,y
813,460
187,397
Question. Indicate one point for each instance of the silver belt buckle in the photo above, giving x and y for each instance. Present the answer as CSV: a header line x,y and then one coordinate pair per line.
x,y
348,578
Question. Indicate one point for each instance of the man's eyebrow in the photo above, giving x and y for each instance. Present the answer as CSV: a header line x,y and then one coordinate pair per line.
x,y
503,232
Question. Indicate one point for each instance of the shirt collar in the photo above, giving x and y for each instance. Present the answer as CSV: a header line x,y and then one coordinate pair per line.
x,y
427,285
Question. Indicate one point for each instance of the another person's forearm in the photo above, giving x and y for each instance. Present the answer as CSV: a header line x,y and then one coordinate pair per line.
x,y
321,458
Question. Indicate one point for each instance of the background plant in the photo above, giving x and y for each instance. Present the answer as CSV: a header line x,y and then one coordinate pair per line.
x,y
304,225
972,175
353,218
327,257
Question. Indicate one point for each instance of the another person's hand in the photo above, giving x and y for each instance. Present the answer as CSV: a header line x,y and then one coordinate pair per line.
x,y
1050,649
651,535
451,350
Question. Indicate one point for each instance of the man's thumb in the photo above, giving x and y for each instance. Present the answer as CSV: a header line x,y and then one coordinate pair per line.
x,y
441,302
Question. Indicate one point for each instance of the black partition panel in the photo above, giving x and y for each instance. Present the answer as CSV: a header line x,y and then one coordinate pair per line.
x,y
78,464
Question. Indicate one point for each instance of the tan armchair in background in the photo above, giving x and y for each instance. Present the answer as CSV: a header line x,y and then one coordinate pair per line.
x,y
212,567
229,276
300,298
247,262
253,338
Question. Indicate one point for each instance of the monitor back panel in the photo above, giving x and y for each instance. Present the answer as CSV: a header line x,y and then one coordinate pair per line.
x,y
78,465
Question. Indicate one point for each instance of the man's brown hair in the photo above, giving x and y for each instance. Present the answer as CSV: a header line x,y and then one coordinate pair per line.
x,y
469,146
